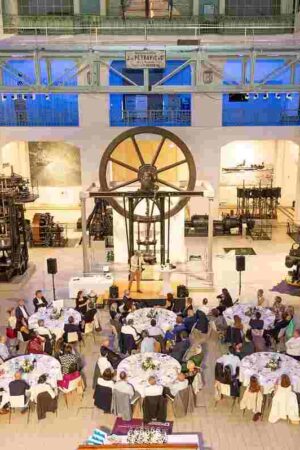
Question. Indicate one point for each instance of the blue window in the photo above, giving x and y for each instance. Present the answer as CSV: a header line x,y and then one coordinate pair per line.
x,y
38,110
150,109
261,109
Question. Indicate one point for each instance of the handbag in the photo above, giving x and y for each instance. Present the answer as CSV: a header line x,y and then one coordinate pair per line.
x,y
11,333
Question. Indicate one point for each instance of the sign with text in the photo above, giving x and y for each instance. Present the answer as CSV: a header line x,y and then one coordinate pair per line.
x,y
145,59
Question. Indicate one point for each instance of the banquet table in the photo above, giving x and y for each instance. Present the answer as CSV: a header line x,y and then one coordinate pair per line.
x,y
166,371
240,310
165,319
43,364
255,364
56,326
99,283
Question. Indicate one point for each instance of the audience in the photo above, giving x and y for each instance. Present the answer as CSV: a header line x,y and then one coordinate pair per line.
x,y
225,300
261,300
112,356
103,362
81,303
22,317
154,330
284,403
201,322
128,328
148,343
69,360
39,301
180,347
170,302
188,307
180,384
123,386
72,327
293,346
190,321
152,388
36,344
257,323
18,387
253,398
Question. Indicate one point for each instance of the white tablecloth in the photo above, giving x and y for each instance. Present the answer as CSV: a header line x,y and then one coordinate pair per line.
x,y
44,365
239,310
56,326
165,319
100,284
172,439
165,373
256,365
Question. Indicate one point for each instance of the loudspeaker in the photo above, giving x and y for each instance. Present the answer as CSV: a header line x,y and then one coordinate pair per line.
x,y
52,266
182,291
240,263
113,291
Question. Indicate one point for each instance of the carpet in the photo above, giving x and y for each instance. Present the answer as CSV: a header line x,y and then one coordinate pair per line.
x,y
240,251
121,427
284,288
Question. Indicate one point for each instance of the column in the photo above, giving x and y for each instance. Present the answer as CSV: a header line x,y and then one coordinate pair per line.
x,y
84,243
286,6
1,19
196,7
297,196
10,7
222,7
76,6
102,7
210,241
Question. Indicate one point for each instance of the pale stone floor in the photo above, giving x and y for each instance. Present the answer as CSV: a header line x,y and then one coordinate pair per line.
x,y
220,428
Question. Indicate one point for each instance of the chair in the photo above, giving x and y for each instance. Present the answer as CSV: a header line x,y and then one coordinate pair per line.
x,y
45,403
74,385
127,343
103,398
18,402
121,405
184,402
154,407
224,390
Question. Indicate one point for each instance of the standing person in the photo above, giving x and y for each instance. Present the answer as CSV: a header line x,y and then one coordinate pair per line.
x,y
170,9
136,263
81,303
39,301
22,317
11,332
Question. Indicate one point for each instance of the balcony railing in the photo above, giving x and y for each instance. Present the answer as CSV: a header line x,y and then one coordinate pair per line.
x,y
166,117
95,26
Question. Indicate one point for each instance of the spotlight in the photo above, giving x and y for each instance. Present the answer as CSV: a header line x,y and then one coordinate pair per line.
x,y
24,96
3,97
289,96
33,96
255,96
14,97
47,97
278,96
246,96
266,96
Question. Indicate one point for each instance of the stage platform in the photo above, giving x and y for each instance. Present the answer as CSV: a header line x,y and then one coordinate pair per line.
x,y
150,289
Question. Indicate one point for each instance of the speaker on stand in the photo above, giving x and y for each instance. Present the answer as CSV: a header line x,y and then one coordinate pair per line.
x,y
240,266
52,270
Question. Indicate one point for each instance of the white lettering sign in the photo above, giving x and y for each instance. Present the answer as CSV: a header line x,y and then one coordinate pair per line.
x,y
145,59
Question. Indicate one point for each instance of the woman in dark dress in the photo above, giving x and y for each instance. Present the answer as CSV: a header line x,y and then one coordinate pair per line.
x,y
81,303
225,300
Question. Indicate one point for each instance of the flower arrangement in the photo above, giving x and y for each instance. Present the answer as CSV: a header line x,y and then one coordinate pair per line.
x,y
152,314
147,436
149,364
273,364
55,315
27,366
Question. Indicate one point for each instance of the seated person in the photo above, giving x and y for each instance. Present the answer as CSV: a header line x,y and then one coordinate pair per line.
x,y
293,346
123,386
178,328
231,360
36,344
72,327
40,387
69,360
219,321
194,353
277,305
180,347
154,330
4,352
235,333
107,379
253,398
190,320
152,389
170,302
39,301
204,307
148,343
103,391
246,348
103,362
225,300
279,325
257,323
201,322
42,330
112,356
81,303
284,403
188,307
128,328
190,371
180,384
18,386
261,300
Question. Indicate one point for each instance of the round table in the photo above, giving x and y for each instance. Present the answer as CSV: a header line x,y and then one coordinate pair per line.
x,y
247,312
165,319
166,371
255,364
56,326
43,364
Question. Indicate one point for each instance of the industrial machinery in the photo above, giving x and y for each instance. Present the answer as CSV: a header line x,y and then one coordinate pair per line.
x,y
46,233
197,226
291,260
100,221
15,191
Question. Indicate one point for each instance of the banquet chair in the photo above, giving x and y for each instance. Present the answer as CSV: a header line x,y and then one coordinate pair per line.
x,y
45,403
127,343
89,330
73,338
155,407
18,402
21,340
224,390
74,385
183,403
103,398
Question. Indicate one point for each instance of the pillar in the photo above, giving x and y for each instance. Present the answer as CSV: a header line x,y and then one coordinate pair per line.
x,y
222,7
1,19
76,6
210,241
286,6
85,240
196,7
10,7
297,196
102,7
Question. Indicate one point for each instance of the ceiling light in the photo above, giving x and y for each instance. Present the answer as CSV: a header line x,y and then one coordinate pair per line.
x,y
265,96
255,96
289,96
278,96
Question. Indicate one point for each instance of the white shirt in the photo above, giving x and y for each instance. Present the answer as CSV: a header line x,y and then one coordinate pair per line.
x,y
293,346
178,386
136,263
125,387
106,383
39,389
155,331
104,364
24,312
43,331
205,309
127,329
12,322
147,345
153,390
230,360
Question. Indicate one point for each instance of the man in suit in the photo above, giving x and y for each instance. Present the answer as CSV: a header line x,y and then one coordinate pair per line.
x,y
18,386
39,301
71,327
22,314
181,347
190,320
111,356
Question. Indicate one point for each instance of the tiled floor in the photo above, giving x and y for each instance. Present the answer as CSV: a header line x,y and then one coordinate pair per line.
x,y
221,429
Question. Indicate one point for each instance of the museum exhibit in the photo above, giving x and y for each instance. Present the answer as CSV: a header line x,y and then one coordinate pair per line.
x,y
150,224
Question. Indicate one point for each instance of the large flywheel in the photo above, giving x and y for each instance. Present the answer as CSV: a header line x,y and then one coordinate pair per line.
x,y
143,152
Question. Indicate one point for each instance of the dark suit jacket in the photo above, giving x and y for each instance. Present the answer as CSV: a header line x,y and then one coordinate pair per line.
x,y
179,350
36,304
19,313
256,324
89,315
189,322
18,387
72,328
